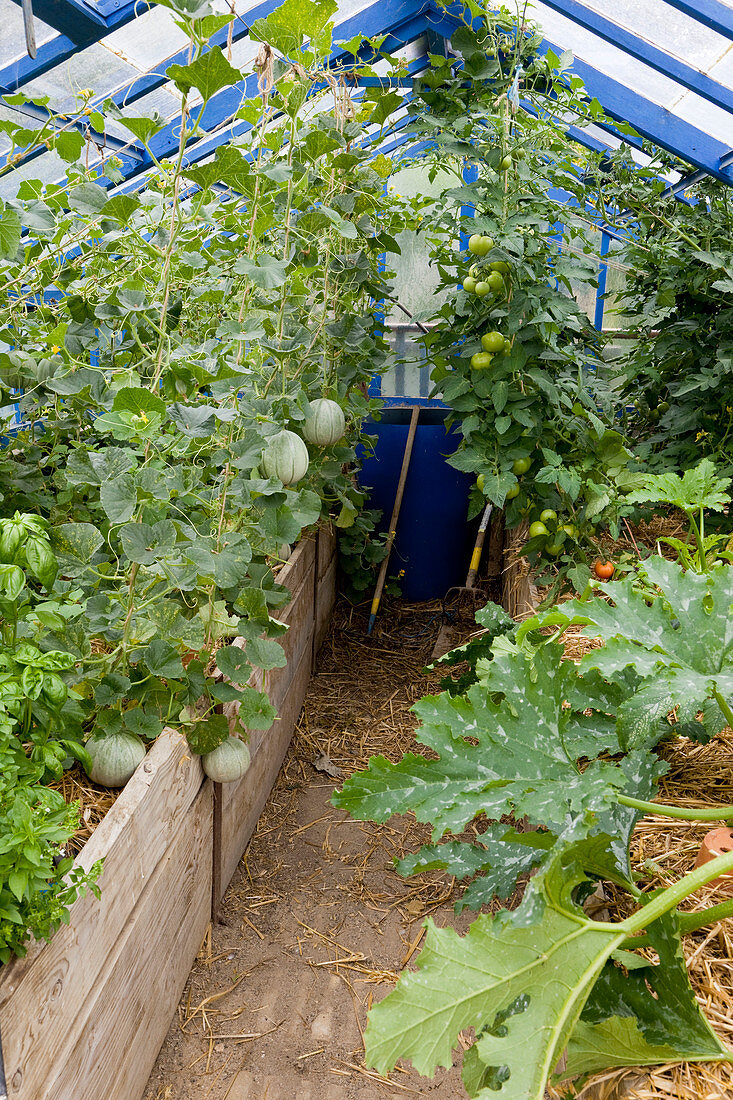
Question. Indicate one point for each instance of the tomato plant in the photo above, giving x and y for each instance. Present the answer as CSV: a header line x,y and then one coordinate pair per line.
x,y
543,412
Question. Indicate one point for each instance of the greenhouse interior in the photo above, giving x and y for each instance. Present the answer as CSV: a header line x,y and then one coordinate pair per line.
x,y
366,549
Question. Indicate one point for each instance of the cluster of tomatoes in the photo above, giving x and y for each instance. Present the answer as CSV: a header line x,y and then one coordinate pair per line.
x,y
550,528
484,282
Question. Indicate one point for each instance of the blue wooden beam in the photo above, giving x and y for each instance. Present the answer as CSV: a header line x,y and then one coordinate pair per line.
x,y
602,279
650,55
19,71
716,15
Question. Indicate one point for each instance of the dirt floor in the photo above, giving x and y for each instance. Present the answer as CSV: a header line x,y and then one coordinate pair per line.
x,y
316,924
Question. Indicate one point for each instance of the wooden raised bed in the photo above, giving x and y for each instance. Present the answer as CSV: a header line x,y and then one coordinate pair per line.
x,y
83,1017
311,577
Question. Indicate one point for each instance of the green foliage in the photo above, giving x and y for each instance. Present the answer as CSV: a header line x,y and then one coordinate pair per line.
x,y
39,729
194,320
496,623
673,636
361,551
698,491
677,297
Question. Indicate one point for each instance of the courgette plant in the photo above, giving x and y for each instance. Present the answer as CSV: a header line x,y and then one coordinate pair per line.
x,y
568,750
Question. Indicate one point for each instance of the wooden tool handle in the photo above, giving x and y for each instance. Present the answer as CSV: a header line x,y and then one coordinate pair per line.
x,y
395,514
476,556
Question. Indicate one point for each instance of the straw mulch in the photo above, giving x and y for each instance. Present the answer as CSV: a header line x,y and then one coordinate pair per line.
x,y
94,803
643,537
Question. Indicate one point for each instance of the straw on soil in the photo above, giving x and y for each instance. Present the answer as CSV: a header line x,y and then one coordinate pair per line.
x,y
94,803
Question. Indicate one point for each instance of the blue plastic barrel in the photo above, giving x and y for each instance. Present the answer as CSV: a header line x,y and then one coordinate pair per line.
x,y
433,543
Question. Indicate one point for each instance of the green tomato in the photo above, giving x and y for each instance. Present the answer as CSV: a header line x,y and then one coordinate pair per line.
x,y
475,270
479,245
536,529
492,341
513,492
549,515
469,284
480,360
663,406
496,282
482,288
570,530
518,153
480,483
521,465
507,347
506,163
553,548
501,266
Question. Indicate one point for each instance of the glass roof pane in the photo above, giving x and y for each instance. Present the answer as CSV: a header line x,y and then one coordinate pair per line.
x,y
706,116
12,35
606,58
667,28
148,39
95,67
637,76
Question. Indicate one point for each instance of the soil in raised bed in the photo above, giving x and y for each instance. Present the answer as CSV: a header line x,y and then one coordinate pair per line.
x,y
316,924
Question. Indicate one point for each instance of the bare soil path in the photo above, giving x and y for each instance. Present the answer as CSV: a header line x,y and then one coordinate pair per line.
x,y
316,924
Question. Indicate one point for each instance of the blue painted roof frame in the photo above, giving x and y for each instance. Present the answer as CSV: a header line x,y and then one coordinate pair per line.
x,y
650,120
648,54
80,25
413,17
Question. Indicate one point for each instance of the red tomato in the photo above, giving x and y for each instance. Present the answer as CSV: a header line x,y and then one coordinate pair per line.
x,y
604,570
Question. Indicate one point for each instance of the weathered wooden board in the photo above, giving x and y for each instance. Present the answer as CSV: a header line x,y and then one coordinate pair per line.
x,y
44,995
327,546
297,576
123,1025
298,616
324,604
243,805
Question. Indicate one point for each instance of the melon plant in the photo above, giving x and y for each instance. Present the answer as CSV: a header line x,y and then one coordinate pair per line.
x,y
228,762
325,424
115,756
285,457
